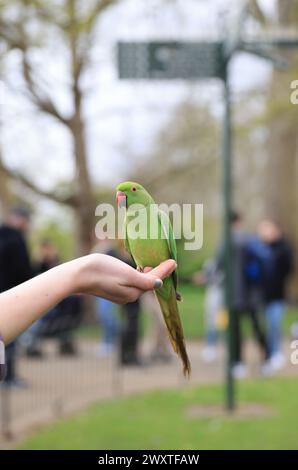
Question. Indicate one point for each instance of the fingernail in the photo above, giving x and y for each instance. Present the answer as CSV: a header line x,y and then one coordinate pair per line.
x,y
158,283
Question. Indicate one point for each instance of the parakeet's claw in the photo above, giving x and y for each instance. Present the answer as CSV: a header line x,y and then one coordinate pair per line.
x,y
139,269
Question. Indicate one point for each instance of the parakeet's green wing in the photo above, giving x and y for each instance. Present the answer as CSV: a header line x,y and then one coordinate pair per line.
x,y
167,230
168,233
126,243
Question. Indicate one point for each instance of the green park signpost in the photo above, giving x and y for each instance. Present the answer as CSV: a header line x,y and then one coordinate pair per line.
x,y
170,60
192,61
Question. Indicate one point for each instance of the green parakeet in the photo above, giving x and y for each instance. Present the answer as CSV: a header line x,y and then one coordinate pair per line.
x,y
150,240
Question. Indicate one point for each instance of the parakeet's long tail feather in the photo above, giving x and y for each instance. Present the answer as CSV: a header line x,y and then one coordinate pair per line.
x,y
171,316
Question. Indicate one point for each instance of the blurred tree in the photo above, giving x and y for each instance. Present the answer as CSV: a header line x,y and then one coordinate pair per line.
x,y
6,195
5,190
27,25
184,168
280,182
256,11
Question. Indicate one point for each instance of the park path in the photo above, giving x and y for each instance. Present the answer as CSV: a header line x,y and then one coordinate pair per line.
x,y
61,386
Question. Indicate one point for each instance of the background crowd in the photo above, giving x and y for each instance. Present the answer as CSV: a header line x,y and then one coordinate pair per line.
x,y
261,267
262,264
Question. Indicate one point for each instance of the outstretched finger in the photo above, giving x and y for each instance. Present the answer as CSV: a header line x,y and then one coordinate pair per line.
x,y
152,279
164,269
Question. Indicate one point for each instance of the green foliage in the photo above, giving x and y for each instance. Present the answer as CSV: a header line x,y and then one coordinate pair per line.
x,y
163,420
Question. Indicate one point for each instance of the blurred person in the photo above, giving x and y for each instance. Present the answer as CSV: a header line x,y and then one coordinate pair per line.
x,y
161,351
246,298
15,268
130,335
48,256
99,275
277,266
212,278
106,311
130,328
64,321
59,323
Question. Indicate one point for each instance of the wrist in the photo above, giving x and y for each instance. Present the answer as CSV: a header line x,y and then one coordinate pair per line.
x,y
72,275
82,274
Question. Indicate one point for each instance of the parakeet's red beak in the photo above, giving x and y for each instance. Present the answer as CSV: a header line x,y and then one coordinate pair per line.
x,y
121,199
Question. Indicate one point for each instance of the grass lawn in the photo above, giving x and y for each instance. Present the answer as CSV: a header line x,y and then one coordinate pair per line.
x,y
160,420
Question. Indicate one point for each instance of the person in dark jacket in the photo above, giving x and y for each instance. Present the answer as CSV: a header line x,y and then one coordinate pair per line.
x,y
130,331
61,321
15,268
245,296
106,311
277,266
48,258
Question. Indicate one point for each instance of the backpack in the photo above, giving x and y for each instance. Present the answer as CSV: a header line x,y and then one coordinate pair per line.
x,y
253,271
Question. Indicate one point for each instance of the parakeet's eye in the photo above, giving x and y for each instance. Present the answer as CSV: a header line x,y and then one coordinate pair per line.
x,y
133,189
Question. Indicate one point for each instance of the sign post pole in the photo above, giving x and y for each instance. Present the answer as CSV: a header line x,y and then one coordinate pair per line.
x,y
175,60
227,236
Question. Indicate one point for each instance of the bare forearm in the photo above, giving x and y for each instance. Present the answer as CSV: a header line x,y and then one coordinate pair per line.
x,y
24,304
96,274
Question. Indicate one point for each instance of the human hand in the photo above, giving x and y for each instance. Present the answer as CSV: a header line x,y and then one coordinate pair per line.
x,y
112,279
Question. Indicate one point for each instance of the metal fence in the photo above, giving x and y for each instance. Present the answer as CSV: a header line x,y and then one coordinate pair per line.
x,y
54,385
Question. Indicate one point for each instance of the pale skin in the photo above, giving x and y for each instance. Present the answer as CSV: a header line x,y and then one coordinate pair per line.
x,y
96,274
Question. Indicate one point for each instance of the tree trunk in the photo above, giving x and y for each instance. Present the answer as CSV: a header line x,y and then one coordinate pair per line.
x,y
86,204
5,195
280,187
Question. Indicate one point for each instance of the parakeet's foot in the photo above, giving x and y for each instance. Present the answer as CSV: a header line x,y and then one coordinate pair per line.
x,y
141,270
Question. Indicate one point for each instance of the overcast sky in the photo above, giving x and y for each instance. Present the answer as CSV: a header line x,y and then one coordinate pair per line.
x,y
123,117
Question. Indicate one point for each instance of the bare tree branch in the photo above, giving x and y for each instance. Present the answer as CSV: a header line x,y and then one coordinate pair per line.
x,y
76,30
9,33
97,10
257,12
155,180
87,26
44,104
16,176
15,38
